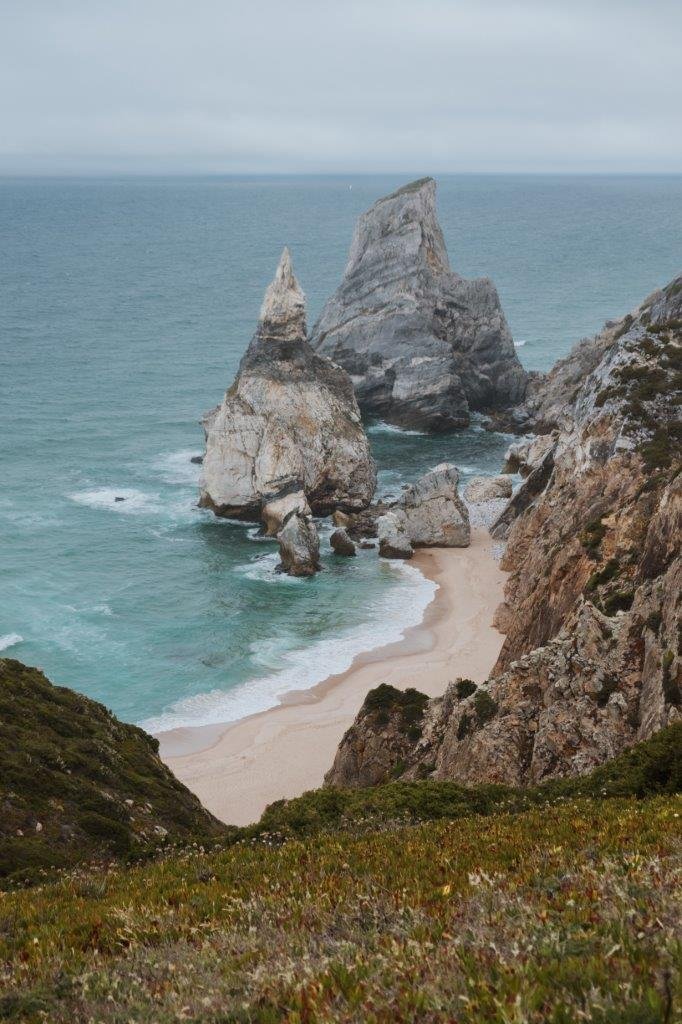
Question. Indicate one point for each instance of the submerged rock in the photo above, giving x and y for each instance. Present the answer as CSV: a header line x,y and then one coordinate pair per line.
x,y
341,543
433,513
288,433
488,488
393,541
299,546
423,345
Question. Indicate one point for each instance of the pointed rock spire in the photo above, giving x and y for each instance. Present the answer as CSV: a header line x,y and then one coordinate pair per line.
x,y
282,314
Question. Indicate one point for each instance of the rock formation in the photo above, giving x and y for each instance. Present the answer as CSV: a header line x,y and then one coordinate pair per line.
x,y
341,543
299,546
433,513
393,541
423,345
288,435
592,661
487,488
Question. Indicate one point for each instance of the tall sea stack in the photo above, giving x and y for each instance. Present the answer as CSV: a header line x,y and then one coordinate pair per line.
x,y
287,435
423,345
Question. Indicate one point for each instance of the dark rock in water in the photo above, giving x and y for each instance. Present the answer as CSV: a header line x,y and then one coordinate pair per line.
x,y
367,544
423,345
198,460
341,543
299,546
288,434
119,498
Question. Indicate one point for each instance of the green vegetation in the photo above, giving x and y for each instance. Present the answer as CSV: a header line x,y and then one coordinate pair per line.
x,y
486,707
77,784
618,601
663,447
407,706
424,901
558,914
610,571
592,536
465,687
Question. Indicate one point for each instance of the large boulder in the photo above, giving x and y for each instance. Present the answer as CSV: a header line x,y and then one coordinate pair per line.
x,y
288,435
423,345
487,488
393,541
432,511
341,543
299,546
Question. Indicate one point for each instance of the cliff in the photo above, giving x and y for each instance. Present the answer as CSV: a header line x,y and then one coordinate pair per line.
x,y
592,658
288,435
78,785
423,345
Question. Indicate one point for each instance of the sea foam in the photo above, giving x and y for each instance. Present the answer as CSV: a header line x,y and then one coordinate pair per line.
x,y
9,640
393,614
134,502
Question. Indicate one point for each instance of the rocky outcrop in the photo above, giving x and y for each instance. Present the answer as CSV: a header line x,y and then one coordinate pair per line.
x,y
487,488
288,435
341,543
592,660
432,511
524,456
423,345
299,546
393,540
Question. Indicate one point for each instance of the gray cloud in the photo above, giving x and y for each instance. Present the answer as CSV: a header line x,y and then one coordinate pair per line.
x,y
266,85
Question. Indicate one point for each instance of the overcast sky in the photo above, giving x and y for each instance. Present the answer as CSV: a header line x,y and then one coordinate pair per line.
x,y
231,86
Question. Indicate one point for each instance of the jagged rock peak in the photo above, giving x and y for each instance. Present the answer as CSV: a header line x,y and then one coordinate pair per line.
x,y
282,314
423,345
401,224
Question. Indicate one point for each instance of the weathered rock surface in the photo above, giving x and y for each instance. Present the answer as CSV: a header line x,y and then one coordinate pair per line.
x,y
299,546
288,433
592,661
423,345
524,456
393,540
341,543
487,488
433,513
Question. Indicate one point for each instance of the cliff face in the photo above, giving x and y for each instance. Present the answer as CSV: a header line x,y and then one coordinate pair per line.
x,y
592,658
423,345
288,435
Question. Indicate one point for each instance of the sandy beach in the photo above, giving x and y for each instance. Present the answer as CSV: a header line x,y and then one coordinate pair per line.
x,y
237,769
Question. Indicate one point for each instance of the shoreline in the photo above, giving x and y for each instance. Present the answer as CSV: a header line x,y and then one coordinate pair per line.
x,y
237,768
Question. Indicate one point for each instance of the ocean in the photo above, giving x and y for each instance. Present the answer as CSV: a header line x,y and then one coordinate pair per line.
x,y
126,305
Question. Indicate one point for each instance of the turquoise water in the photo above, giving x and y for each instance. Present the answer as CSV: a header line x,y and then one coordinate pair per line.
x,y
126,305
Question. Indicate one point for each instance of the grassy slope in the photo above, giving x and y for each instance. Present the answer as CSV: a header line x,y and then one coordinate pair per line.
x,y
558,914
407,902
75,783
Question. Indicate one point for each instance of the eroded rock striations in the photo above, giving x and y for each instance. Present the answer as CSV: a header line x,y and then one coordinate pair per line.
x,y
592,658
423,345
287,437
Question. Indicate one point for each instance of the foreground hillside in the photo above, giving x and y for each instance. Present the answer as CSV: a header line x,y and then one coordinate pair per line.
x,y
422,901
77,784
562,913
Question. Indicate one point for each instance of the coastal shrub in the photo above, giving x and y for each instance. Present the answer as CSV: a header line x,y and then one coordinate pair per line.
x,y
601,576
465,687
486,707
463,727
407,705
620,601
592,536
654,621
609,686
